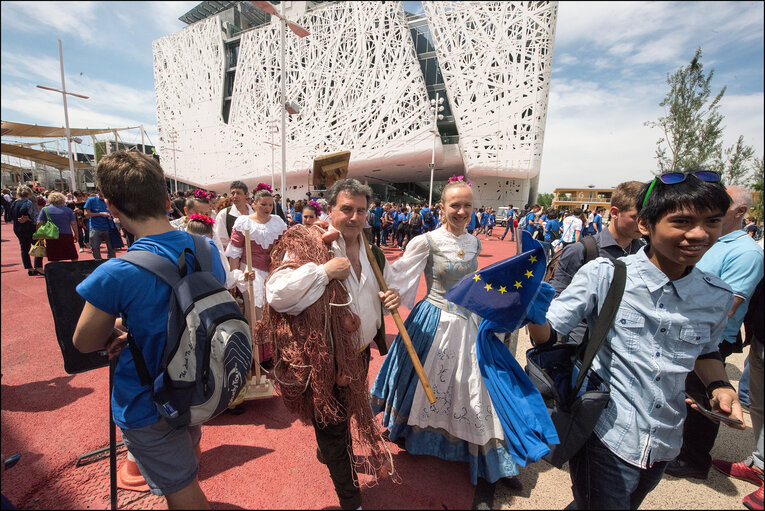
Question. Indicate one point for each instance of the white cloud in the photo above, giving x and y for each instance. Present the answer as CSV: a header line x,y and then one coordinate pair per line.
x,y
165,15
74,18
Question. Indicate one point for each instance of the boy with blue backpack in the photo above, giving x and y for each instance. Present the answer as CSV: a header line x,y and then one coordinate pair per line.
x,y
149,304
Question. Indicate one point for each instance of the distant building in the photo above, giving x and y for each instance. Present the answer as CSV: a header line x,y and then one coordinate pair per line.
x,y
363,79
585,198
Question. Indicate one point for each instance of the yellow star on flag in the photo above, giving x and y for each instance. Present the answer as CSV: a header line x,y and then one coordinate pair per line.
x,y
529,274
502,289
532,259
487,287
517,284
476,277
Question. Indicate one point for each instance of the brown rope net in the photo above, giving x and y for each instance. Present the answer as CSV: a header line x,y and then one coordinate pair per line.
x,y
311,348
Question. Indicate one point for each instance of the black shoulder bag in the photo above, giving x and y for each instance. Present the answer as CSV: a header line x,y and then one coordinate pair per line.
x,y
574,394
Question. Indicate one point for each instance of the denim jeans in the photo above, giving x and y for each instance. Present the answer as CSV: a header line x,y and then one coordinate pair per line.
x,y
602,480
96,237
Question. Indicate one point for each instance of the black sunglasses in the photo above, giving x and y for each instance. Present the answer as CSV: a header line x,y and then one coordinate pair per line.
x,y
672,178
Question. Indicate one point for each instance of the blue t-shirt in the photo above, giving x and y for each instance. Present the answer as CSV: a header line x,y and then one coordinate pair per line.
x,y
529,226
492,219
96,205
473,222
484,218
59,215
552,226
737,260
597,220
118,287
298,217
377,213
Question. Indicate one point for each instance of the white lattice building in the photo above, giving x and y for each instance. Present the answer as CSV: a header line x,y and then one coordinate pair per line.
x,y
363,79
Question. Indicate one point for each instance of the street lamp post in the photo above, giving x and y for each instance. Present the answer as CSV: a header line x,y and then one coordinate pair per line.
x,y
436,106
300,32
66,111
172,137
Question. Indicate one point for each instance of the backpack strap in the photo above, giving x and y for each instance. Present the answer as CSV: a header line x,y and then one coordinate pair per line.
x,y
590,249
203,252
155,264
603,323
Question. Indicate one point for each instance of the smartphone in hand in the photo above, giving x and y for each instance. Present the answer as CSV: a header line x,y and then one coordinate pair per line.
x,y
713,415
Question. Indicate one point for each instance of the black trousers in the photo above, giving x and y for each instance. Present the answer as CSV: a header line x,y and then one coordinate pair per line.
x,y
335,447
376,235
24,234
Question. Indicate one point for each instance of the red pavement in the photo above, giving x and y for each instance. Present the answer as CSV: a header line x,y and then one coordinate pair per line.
x,y
262,459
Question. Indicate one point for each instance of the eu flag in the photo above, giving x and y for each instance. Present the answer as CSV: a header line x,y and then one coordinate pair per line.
x,y
503,294
502,291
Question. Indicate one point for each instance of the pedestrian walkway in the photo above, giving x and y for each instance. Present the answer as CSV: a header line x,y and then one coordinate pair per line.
x,y
261,459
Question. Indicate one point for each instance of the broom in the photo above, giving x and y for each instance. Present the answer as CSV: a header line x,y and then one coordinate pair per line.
x,y
261,387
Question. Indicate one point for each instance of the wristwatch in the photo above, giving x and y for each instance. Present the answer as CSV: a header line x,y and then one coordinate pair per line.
x,y
716,385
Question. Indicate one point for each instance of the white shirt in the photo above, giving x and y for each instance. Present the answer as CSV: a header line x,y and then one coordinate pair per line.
x,y
571,224
292,290
220,234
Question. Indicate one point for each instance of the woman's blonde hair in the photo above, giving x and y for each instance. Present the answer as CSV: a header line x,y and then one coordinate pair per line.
x,y
451,185
57,198
24,191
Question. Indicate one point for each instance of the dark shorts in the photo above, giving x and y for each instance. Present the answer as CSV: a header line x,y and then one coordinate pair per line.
x,y
164,455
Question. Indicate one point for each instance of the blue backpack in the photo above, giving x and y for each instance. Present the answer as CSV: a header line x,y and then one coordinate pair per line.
x,y
208,350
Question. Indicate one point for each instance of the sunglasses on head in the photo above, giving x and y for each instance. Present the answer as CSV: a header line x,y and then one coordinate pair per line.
x,y
672,178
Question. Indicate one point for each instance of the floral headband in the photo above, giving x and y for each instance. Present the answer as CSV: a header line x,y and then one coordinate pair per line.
x,y
201,194
263,186
316,205
458,179
202,218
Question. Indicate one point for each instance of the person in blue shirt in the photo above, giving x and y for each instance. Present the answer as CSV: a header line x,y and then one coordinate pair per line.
x,y
670,320
377,213
597,220
120,296
473,223
98,213
737,260
492,222
509,223
531,219
483,221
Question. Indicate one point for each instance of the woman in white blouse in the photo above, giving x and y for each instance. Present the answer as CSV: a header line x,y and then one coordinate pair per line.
x,y
461,425
265,230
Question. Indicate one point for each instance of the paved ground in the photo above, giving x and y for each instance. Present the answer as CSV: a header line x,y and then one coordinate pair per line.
x,y
261,459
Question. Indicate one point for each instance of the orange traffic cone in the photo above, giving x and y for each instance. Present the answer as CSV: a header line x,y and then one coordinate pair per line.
x,y
129,477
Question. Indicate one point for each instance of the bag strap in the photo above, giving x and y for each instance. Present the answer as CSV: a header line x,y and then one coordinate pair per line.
x,y
46,213
603,323
203,252
590,248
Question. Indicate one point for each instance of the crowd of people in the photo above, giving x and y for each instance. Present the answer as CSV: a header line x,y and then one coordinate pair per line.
x,y
694,277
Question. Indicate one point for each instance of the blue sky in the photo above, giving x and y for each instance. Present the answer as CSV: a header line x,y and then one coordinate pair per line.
x,y
609,73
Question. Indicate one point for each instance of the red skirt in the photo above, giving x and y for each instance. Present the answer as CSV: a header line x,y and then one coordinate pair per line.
x,y
62,249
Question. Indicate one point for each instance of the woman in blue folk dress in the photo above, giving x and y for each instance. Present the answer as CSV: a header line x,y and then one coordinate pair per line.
x,y
461,425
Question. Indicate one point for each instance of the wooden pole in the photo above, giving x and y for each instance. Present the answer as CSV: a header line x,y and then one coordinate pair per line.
x,y
251,306
400,324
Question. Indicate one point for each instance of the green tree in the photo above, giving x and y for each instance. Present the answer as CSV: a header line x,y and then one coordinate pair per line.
x,y
756,184
736,167
692,123
545,199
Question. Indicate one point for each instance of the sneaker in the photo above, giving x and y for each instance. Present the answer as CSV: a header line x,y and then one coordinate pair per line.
x,y
682,469
81,250
754,499
739,470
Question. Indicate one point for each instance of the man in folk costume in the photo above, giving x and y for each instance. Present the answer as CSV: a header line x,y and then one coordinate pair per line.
x,y
224,220
317,296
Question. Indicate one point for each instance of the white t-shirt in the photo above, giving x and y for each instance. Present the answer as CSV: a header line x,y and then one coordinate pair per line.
x,y
571,224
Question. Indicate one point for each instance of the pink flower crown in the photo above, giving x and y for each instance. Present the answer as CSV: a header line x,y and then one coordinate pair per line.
x,y
202,218
457,179
263,186
316,205
201,194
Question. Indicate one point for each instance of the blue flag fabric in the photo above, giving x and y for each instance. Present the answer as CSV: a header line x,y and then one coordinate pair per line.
x,y
502,293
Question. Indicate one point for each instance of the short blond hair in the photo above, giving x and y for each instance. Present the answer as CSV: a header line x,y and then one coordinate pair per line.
x,y
57,198
24,191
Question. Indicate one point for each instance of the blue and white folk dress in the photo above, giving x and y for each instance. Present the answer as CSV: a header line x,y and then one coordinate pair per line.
x,y
461,425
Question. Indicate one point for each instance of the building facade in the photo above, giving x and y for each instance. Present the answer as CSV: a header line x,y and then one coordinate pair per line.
x,y
585,198
363,78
